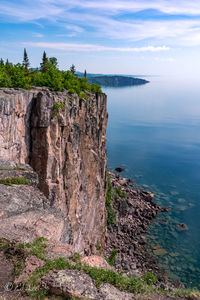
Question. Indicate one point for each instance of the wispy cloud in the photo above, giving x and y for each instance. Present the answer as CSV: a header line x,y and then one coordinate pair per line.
x,y
166,6
116,6
108,19
141,30
175,32
91,47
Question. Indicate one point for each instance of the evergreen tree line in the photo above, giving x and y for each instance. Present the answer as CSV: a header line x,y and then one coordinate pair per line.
x,y
20,75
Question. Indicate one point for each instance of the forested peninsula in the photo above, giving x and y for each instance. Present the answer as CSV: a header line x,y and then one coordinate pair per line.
x,y
116,81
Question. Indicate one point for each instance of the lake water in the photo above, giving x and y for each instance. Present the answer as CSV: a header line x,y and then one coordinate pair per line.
x,y
154,132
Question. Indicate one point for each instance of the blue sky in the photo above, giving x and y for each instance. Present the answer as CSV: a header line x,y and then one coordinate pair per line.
x,y
152,37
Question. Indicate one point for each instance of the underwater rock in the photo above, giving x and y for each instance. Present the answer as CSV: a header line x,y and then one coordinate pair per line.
x,y
181,227
119,169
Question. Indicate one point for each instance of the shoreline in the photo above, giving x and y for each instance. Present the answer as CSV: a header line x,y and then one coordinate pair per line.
x,y
134,212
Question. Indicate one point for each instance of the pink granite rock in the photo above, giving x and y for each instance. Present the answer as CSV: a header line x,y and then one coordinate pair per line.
x,y
68,153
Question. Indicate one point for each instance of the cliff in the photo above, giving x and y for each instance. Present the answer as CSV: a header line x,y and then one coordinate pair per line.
x,y
63,138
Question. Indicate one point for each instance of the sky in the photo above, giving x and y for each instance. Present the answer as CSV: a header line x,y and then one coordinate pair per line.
x,y
148,37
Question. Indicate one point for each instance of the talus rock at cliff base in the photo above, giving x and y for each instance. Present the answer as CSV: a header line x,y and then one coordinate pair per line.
x,y
63,138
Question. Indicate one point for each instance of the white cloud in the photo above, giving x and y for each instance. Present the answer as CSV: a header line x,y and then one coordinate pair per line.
x,y
93,48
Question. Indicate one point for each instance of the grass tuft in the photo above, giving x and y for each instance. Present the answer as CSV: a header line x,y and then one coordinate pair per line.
x,y
14,180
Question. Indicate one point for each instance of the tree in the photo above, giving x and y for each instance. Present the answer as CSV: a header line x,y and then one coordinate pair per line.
x,y
25,63
44,64
53,61
1,62
73,69
85,74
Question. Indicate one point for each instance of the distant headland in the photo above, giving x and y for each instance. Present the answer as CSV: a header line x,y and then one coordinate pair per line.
x,y
116,81
113,80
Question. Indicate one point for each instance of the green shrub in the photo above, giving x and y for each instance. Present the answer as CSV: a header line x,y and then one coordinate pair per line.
x,y
57,106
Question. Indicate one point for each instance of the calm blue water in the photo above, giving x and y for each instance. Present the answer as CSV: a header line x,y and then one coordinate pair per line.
x,y
154,132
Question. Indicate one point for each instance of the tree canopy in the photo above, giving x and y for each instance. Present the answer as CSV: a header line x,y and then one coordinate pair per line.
x,y
48,75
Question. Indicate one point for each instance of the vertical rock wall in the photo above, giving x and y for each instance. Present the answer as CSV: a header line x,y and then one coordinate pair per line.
x,y
67,149
15,108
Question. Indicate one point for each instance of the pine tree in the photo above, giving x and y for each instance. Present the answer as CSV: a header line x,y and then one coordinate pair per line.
x,y
44,64
73,69
26,63
85,74
1,62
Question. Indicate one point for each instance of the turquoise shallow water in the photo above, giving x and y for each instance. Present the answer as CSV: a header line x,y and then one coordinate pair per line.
x,y
154,132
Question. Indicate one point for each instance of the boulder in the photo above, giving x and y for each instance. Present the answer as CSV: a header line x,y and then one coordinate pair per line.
x,y
68,283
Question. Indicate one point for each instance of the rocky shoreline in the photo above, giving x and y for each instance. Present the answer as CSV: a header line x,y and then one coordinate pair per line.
x,y
134,211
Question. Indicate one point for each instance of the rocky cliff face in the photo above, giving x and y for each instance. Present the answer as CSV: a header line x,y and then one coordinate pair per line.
x,y
63,138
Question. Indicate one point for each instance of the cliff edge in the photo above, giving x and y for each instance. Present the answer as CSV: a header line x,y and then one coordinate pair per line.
x,y
60,139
